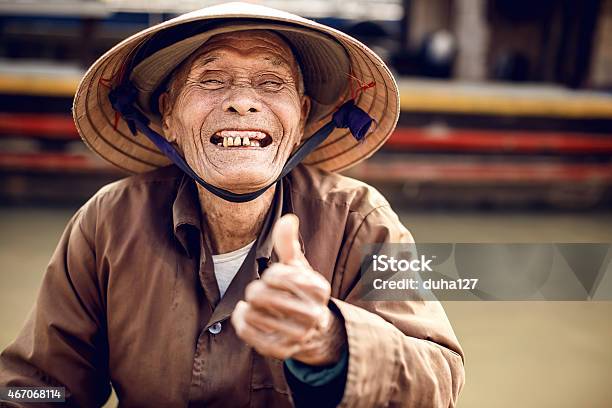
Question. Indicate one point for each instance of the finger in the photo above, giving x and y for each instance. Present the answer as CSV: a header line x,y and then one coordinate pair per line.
x,y
282,304
237,317
269,348
243,329
266,343
306,284
286,241
257,292
288,329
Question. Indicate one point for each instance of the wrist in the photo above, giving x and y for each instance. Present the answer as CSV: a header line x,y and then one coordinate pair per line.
x,y
327,345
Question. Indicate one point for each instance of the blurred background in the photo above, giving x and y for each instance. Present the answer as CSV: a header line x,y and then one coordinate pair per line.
x,y
505,135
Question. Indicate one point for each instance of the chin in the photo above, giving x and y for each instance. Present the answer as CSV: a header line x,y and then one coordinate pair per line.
x,y
245,179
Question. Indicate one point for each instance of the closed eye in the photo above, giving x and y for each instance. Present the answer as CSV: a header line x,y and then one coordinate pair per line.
x,y
272,85
212,84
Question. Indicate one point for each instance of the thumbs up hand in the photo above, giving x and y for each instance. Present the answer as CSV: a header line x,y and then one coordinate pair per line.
x,y
285,313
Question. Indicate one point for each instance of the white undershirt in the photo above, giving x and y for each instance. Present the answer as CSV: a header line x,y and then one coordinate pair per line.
x,y
227,265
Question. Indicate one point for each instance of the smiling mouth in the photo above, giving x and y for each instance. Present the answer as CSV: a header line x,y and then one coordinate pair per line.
x,y
241,139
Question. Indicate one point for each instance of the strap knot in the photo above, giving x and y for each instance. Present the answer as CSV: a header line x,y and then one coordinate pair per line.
x,y
123,99
351,116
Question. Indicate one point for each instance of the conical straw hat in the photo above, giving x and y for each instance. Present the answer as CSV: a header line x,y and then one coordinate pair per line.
x,y
335,67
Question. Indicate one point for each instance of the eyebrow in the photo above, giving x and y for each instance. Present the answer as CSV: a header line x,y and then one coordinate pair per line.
x,y
210,59
277,61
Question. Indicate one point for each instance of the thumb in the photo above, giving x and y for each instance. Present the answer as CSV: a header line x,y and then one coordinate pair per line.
x,y
286,242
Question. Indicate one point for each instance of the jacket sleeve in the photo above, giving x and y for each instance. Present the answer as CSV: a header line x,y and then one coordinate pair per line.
x,y
62,343
401,353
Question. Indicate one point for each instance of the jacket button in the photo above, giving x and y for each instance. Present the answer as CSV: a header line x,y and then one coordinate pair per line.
x,y
215,328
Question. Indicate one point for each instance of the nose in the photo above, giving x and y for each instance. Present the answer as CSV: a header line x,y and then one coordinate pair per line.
x,y
241,101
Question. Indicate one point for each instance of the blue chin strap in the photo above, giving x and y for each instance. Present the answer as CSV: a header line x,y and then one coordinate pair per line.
x,y
123,99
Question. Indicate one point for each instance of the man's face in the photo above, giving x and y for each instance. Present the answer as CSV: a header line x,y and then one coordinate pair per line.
x,y
236,109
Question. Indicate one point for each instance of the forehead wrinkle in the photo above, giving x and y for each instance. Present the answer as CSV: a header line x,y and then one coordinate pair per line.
x,y
263,39
210,59
273,58
271,38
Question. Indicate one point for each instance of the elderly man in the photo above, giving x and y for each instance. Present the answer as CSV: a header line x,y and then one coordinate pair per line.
x,y
231,277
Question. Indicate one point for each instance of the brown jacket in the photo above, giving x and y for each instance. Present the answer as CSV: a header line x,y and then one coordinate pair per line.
x,y
130,294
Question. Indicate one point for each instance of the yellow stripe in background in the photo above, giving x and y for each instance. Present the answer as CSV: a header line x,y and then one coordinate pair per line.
x,y
571,107
416,96
64,86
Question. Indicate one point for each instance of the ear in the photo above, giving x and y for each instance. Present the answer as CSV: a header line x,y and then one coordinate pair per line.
x,y
166,111
305,111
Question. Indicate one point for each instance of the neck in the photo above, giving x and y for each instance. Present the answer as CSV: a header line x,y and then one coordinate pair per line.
x,y
233,225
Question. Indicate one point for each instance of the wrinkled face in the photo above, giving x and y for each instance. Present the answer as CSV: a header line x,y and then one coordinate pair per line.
x,y
236,109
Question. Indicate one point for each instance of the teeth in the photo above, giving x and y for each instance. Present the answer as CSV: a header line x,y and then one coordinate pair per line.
x,y
251,134
238,141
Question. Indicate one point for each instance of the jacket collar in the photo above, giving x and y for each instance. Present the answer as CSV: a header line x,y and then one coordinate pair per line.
x,y
186,216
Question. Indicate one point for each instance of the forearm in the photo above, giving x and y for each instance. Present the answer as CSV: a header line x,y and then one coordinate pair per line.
x,y
408,371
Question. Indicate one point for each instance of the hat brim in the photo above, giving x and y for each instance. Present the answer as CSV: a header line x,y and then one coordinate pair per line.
x,y
331,63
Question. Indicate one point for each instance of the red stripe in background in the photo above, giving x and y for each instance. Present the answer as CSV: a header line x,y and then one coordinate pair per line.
x,y
58,126
475,172
61,162
497,141
44,126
